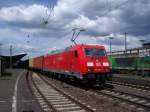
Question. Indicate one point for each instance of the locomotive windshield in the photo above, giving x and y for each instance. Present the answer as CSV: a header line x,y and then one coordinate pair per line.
x,y
94,52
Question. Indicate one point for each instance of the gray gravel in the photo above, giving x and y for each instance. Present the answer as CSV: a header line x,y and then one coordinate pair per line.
x,y
99,102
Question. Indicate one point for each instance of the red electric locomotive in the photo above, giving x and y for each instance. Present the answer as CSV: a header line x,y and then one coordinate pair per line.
x,y
88,63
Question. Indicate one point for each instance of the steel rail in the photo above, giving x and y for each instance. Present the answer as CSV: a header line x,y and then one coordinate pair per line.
x,y
127,97
44,98
66,95
145,88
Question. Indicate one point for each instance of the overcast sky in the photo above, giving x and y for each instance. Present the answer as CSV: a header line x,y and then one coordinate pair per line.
x,y
21,24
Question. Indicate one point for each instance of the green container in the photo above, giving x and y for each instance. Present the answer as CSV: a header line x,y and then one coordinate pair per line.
x,y
113,62
134,63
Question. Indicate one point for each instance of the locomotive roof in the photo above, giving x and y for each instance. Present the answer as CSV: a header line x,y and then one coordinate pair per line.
x,y
70,47
88,45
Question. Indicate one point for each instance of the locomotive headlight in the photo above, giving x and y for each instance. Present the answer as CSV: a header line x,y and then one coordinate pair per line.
x,y
105,64
90,64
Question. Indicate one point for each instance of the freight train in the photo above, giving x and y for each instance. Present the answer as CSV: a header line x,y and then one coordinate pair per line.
x,y
131,64
84,63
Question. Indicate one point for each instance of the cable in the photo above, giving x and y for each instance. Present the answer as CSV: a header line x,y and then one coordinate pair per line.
x,y
53,42
116,7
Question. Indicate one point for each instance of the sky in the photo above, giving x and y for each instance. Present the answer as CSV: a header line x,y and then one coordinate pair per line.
x,y
22,24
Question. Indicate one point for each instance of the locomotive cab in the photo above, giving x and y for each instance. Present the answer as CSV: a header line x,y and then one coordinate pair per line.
x,y
96,64
96,60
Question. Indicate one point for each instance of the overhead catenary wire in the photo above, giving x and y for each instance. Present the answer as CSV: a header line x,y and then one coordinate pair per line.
x,y
53,42
50,9
110,8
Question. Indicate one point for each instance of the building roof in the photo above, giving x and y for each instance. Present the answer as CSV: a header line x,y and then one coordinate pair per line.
x,y
146,45
15,59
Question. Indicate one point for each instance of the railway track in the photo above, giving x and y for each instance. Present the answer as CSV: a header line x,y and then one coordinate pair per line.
x,y
139,101
52,99
138,87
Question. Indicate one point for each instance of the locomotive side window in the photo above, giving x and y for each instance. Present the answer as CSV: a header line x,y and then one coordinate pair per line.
x,y
76,54
94,52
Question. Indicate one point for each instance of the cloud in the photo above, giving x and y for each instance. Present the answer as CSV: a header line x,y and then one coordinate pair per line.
x,y
100,18
22,16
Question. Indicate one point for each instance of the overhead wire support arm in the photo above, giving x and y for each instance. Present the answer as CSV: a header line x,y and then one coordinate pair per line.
x,y
49,9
